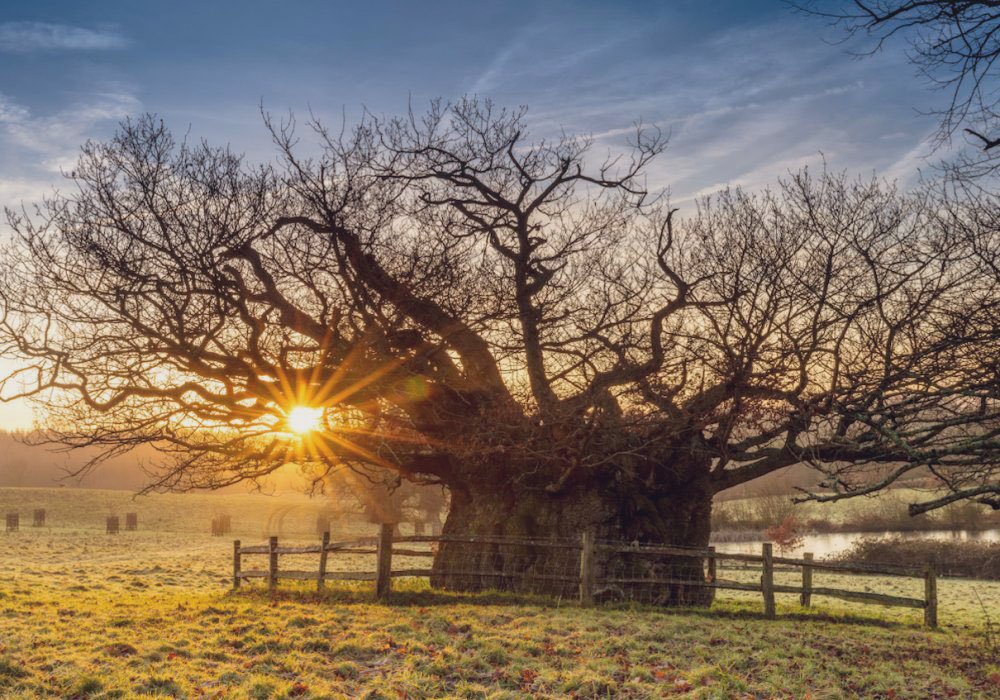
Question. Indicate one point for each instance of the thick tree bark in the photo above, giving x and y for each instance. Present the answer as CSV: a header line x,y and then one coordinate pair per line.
x,y
614,509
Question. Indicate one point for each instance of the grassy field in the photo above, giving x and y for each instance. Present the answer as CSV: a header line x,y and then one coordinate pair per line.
x,y
253,514
150,614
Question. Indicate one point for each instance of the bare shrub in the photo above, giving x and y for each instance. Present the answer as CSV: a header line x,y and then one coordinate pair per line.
x,y
951,557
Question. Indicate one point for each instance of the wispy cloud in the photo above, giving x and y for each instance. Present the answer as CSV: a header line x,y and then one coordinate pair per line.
x,y
25,37
743,105
16,190
489,77
36,148
530,56
57,136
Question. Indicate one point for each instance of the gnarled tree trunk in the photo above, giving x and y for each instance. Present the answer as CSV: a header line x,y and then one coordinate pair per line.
x,y
677,511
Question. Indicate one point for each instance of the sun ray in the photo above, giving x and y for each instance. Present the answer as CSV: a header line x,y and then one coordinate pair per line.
x,y
350,446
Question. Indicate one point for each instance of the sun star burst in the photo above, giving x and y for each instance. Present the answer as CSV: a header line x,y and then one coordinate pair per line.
x,y
304,419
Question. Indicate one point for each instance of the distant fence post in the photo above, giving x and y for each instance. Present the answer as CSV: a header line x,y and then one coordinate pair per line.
x,y
930,597
272,564
39,520
383,581
767,580
713,567
236,564
587,568
113,525
321,579
805,599
13,522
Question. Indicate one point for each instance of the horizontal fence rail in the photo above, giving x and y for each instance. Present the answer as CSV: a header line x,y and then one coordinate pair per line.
x,y
580,569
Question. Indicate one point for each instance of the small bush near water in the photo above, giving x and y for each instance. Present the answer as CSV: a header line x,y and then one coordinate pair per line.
x,y
964,558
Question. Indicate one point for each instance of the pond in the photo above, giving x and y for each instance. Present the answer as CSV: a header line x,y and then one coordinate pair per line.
x,y
828,544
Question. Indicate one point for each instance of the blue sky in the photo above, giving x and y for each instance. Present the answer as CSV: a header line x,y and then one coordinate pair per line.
x,y
747,88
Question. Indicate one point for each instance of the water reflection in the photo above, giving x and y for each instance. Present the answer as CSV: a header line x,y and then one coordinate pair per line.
x,y
824,545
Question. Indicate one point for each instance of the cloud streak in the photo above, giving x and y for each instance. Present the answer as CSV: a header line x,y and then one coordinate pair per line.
x,y
53,140
36,148
744,105
28,37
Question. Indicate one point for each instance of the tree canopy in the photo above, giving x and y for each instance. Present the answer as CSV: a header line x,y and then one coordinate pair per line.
x,y
474,307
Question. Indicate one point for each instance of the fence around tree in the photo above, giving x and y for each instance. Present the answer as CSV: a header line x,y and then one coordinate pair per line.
x,y
590,570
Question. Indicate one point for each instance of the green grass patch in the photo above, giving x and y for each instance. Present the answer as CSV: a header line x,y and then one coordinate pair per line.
x,y
72,624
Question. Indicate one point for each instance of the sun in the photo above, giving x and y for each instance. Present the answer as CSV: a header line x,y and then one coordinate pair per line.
x,y
303,419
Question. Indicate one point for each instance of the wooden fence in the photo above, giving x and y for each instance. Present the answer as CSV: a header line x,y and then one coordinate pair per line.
x,y
585,574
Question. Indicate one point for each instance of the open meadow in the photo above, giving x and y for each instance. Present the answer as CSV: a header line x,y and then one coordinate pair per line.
x,y
150,614
624,349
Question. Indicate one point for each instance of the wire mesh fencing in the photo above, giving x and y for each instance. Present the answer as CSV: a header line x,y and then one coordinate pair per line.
x,y
517,565
652,574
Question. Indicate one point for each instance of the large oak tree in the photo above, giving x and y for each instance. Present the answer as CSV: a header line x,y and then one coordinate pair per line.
x,y
516,319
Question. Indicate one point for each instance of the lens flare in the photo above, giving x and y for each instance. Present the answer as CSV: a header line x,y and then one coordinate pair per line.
x,y
302,419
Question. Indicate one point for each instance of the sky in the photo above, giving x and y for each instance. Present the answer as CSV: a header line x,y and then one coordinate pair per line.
x,y
747,89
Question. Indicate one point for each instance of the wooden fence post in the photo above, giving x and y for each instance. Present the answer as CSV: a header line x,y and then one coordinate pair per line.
x,y
767,581
930,597
383,570
805,599
321,579
587,568
272,564
713,567
236,564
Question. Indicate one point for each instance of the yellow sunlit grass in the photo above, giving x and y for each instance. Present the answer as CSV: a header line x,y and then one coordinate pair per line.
x,y
303,419
65,587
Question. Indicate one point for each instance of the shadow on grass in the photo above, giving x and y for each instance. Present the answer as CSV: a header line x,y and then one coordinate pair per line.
x,y
415,594
412,595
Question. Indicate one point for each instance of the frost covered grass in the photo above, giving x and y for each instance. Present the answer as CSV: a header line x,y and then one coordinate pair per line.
x,y
122,639
150,614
